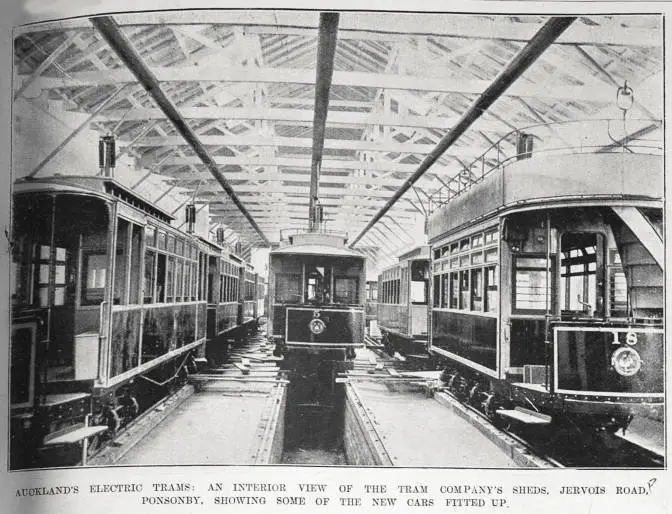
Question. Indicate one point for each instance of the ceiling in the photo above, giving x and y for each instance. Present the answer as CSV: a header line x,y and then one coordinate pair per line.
x,y
244,82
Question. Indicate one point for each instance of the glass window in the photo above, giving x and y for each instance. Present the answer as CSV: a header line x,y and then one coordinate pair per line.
x,y
532,277
288,288
454,290
161,240
491,279
150,234
477,241
437,291
345,290
464,245
491,255
150,277
94,278
170,279
179,266
477,289
121,262
445,288
161,278
136,264
464,290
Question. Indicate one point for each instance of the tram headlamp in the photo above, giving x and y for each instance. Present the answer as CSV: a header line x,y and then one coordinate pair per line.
x,y
626,361
316,326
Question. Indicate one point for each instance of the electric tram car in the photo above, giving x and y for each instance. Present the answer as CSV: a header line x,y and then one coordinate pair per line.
x,y
110,304
402,304
316,319
547,289
316,294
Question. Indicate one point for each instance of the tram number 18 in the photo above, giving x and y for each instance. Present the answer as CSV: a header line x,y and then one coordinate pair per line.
x,y
630,338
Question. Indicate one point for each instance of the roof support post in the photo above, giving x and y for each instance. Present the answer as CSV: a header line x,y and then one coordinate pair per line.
x,y
326,50
551,30
122,46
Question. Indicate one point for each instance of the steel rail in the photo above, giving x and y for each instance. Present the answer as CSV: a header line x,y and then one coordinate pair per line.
x,y
551,30
122,46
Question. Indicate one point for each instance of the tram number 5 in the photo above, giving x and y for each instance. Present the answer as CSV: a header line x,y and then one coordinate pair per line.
x,y
630,338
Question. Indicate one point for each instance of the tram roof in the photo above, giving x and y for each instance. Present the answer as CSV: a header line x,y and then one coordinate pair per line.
x,y
244,83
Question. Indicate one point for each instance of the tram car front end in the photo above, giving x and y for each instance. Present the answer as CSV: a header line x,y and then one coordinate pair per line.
x,y
317,295
547,289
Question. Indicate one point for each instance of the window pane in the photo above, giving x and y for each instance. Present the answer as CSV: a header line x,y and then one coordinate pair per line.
x,y
94,277
288,288
148,286
345,290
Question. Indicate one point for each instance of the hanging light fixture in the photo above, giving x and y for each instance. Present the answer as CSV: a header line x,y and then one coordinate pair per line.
x,y
625,97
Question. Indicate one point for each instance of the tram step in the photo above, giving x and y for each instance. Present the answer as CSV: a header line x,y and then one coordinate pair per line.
x,y
527,416
75,436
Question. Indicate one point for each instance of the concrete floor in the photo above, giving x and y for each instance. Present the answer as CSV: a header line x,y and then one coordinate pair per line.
x,y
418,431
211,427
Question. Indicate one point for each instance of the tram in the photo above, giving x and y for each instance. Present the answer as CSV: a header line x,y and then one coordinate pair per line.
x,y
547,286
110,305
403,302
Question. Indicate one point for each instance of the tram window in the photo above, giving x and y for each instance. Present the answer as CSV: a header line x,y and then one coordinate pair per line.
x,y
437,290
491,280
477,289
346,289
318,284
170,279
578,286
618,293
161,278
530,285
464,290
121,262
288,288
94,276
454,290
136,262
150,234
178,279
41,275
150,277
194,281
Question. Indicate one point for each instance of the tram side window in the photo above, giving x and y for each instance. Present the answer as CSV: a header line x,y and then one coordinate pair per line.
x,y
464,290
170,279
94,273
127,264
477,289
437,290
445,289
491,279
288,288
161,278
454,290
150,277
136,262
178,279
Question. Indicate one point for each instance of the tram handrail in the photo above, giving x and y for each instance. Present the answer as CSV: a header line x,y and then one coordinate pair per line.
x,y
489,163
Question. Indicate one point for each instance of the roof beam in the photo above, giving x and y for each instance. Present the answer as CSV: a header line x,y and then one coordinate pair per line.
x,y
305,116
124,49
520,63
216,73
326,50
298,162
252,139
368,26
